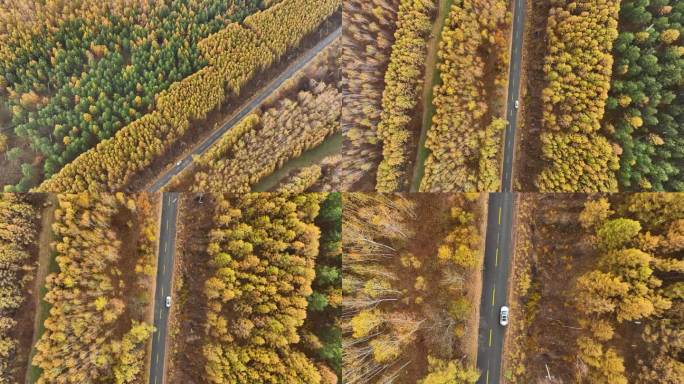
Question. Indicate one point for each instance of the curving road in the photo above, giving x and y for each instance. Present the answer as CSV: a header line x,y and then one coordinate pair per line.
x,y
167,247
498,242
300,63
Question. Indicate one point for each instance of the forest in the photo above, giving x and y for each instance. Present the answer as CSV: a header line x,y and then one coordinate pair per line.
x,y
403,83
300,116
645,106
577,154
18,262
71,82
464,138
367,38
99,319
617,317
409,302
166,68
599,100
611,114
261,283
387,61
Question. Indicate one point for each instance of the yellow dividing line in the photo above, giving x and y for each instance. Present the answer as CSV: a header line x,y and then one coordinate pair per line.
x,y
496,261
499,215
488,376
493,290
490,337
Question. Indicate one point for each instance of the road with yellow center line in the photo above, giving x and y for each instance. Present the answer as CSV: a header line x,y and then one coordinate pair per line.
x,y
494,285
498,247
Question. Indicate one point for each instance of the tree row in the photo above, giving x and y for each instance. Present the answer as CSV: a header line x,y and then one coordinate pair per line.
x,y
403,85
464,139
111,164
260,144
17,271
99,297
367,41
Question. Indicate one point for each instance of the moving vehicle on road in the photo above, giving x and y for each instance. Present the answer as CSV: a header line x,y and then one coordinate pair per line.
x,y
503,316
517,104
168,301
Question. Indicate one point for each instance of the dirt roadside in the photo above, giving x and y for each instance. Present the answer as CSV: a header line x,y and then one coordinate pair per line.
x,y
527,161
474,283
184,359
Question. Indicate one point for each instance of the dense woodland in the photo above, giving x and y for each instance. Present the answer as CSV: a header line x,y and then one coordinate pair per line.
x,y
612,114
18,261
576,152
645,107
227,66
72,81
638,278
465,137
321,334
403,85
265,282
306,111
406,312
616,317
368,35
99,297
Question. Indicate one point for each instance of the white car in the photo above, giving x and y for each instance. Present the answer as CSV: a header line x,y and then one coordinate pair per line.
x,y
517,104
179,163
503,316
168,301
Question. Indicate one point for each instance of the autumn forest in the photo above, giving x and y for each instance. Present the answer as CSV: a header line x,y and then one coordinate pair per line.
x,y
341,191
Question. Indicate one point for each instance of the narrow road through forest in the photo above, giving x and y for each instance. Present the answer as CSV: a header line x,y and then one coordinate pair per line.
x,y
513,94
498,252
167,248
498,242
167,234
300,63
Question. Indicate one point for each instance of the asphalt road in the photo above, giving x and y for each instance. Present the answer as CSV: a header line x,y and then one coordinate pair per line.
x,y
495,286
513,94
498,242
167,236
302,61
167,247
